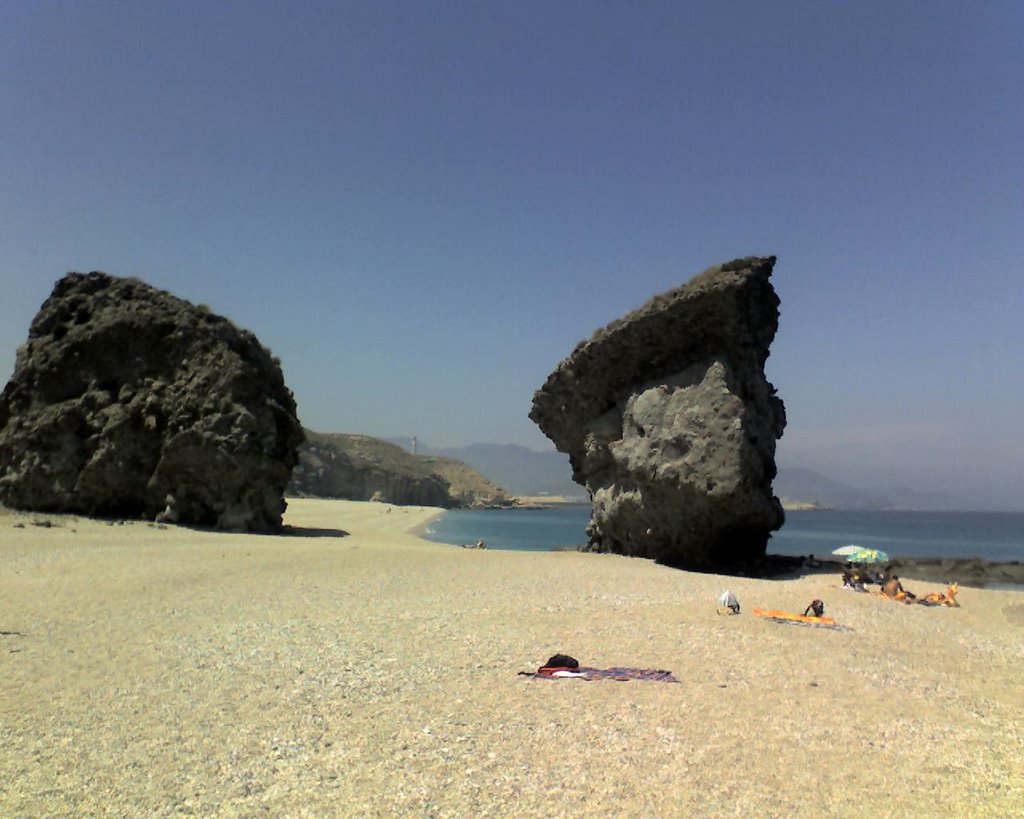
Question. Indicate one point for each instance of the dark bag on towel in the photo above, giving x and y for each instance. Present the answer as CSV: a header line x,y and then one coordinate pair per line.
x,y
562,661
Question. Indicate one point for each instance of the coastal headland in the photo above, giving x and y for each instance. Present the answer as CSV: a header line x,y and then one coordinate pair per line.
x,y
346,667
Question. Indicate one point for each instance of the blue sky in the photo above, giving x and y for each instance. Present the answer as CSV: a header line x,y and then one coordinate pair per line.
x,y
422,207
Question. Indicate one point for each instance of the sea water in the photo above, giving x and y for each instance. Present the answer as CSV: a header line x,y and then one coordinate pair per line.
x,y
521,530
990,535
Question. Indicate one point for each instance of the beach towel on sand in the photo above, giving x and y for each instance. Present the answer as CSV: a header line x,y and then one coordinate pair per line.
x,y
614,673
800,620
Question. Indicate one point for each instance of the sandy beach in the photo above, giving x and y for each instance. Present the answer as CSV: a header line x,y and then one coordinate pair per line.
x,y
349,668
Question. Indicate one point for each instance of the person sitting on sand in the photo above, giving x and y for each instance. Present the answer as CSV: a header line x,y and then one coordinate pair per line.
x,y
894,589
817,607
852,580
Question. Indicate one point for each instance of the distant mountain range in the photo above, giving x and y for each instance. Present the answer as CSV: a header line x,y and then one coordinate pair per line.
x,y
516,469
795,485
524,471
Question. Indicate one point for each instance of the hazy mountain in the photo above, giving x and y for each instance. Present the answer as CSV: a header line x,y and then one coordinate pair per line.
x,y
517,469
524,471
795,485
913,500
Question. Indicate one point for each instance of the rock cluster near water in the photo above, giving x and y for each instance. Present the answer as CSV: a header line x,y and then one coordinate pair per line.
x,y
127,401
670,423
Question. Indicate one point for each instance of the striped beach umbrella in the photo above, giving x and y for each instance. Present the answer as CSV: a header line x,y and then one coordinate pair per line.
x,y
869,556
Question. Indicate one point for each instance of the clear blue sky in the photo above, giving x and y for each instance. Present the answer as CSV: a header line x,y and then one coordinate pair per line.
x,y
422,207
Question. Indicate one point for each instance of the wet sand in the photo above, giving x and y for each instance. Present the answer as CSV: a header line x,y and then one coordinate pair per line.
x,y
350,669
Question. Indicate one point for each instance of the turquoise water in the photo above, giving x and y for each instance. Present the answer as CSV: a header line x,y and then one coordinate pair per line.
x,y
991,535
521,530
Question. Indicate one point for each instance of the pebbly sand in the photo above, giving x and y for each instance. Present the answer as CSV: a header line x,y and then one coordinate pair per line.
x,y
352,669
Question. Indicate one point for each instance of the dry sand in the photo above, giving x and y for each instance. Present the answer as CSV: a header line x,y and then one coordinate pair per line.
x,y
365,672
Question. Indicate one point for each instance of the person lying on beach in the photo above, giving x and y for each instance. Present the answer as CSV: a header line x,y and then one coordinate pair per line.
x,y
940,599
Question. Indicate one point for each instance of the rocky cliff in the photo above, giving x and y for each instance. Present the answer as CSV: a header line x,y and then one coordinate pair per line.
x,y
466,486
670,423
359,467
127,401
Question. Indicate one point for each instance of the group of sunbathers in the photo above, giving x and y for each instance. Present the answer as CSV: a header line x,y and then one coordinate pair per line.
x,y
856,578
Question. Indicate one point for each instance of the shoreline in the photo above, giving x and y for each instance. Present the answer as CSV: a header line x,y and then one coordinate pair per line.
x,y
975,572
348,667
970,571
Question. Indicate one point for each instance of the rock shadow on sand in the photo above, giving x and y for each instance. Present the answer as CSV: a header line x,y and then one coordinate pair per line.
x,y
310,531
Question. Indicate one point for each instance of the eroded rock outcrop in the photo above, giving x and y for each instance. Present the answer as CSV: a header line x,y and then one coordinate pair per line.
x,y
670,423
360,467
466,486
127,401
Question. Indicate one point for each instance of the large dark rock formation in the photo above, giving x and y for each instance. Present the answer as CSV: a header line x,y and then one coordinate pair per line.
x,y
359,467
127,401
669,422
